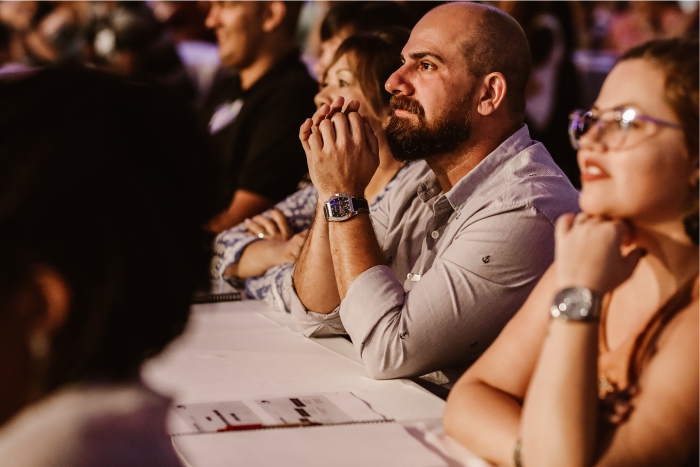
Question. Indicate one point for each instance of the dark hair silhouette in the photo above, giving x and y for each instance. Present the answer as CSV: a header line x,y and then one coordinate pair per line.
x,y
108,183
357,17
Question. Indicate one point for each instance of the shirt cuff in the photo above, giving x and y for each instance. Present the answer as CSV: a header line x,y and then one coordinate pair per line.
x,y
312,324
228,248
372,295
273,287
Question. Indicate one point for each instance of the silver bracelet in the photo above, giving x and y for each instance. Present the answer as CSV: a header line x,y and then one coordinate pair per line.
x,y
517,453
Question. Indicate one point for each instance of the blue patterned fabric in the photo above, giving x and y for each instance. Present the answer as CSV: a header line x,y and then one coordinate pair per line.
x,y
275,285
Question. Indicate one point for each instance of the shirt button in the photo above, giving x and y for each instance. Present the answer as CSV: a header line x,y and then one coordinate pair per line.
x,y
403,335
435,234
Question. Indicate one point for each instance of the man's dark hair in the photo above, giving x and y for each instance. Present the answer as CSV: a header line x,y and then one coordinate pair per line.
x,y
108,184
499,44
373,57
357,17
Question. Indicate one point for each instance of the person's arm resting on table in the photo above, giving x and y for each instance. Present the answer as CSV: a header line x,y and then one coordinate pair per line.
x,y
244,204
342,153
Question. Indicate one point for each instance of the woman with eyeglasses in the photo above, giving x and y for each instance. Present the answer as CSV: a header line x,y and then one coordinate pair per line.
x,y
600,365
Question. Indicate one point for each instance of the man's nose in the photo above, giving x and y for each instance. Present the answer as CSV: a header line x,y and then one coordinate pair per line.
x,y
398,82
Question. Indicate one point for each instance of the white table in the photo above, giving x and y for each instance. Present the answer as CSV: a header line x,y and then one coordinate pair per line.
x,y
246,350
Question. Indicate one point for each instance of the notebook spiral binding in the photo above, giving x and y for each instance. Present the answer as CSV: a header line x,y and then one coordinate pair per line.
x,y
215,297
295,425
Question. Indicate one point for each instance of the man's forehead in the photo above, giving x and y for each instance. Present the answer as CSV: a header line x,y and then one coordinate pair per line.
x,y
434,42
441,32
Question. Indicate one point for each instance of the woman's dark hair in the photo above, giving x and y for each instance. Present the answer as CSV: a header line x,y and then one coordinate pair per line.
x,y
357,17
373,57
678,59
108,183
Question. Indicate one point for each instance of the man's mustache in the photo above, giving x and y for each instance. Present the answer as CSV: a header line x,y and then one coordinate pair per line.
x,y
407,104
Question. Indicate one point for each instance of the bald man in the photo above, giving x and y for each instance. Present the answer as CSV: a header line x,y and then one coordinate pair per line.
x,y
426,284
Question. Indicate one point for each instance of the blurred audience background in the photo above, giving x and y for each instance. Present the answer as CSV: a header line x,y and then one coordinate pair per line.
x,y
166,44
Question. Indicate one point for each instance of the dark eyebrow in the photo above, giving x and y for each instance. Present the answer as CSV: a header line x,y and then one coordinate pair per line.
x,y
419,55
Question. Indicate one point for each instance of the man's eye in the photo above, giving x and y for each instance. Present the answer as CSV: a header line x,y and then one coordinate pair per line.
x,y
426,66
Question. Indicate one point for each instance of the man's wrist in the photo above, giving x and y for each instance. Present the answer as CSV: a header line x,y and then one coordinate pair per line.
x,y
341,207
324,196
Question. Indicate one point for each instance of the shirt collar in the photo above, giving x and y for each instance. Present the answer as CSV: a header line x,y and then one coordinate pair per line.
x,y
489,167
482,173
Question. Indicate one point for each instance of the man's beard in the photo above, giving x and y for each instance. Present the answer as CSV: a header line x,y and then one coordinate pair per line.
x,y
412,139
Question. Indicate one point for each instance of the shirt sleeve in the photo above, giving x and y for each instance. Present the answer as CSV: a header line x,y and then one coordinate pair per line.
x,y
273,287
228,248
458,306
312,324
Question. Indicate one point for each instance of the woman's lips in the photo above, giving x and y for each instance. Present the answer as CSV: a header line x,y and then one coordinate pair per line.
x,y
592,171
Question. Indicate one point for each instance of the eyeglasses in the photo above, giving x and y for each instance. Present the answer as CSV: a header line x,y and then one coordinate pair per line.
x,y
613,125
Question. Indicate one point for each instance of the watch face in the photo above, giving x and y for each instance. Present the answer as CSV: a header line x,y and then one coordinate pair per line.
x,y
576,304
340,207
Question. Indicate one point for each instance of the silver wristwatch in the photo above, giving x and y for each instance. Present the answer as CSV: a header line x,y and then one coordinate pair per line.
x,y
576,304
341,207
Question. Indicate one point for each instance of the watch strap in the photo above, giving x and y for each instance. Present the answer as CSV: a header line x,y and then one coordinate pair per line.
x,y
360,204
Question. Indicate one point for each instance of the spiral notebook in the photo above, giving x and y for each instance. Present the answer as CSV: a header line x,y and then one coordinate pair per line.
x,y
314,430
218,291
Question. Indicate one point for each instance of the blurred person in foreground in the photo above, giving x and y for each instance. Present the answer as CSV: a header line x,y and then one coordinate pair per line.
x,y
600,366
426,284
254,116
92,172
357,72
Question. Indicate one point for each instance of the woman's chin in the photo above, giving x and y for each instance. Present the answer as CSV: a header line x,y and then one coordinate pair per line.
x,y
593,208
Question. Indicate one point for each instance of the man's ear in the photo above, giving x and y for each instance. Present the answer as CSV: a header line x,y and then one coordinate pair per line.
x,y
273,16
493,93
55,295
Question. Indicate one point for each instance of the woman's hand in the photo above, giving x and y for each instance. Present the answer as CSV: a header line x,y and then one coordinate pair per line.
x,y
590,252
278,252
273,228
258,257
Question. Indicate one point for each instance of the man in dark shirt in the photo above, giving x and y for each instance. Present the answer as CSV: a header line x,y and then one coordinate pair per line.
x,y
254,116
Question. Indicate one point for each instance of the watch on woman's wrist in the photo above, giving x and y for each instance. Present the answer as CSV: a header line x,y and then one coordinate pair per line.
x,y
576,304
